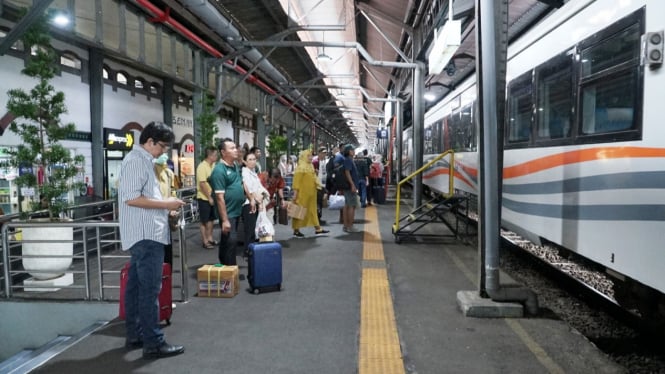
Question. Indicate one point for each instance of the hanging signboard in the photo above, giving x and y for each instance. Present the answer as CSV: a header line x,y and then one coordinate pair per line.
x,y
118,140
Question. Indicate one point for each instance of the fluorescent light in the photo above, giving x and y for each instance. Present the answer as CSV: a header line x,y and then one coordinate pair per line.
x,y
444,46
429,96
59,17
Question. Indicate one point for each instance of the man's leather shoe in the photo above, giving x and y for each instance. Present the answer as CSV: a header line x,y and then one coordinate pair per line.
x,y
164,350
133,344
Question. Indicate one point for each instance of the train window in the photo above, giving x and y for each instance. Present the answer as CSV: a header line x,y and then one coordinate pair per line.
x,y
456,132
607,106
468,128
610,81
554,93
427,143
437,137
620,48
520,110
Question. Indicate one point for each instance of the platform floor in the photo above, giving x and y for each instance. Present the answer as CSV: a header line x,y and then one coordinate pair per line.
x,y
352,303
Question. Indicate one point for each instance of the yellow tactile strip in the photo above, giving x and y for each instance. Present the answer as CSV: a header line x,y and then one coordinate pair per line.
x,y
379,349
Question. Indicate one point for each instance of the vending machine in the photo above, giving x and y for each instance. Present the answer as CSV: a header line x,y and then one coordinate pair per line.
x,y
117,144
8,190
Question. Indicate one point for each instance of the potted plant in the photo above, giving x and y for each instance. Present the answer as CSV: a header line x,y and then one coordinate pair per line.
x,y
277,146
207,124
46,168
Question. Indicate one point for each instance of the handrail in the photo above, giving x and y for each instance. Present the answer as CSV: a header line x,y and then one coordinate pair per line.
x,y
451,175
92,248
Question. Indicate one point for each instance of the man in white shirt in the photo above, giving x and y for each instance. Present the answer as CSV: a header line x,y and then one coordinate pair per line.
x,y
319,162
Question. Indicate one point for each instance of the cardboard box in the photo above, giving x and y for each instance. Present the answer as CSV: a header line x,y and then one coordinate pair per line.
x,y
218,281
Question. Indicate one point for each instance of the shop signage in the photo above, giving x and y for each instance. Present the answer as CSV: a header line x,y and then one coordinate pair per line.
x,y
118,140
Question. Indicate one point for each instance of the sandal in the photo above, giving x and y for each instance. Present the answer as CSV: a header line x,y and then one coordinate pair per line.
x,y
209,245
213,242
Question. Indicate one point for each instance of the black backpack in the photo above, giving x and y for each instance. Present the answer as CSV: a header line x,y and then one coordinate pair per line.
x,y
339,177
330,165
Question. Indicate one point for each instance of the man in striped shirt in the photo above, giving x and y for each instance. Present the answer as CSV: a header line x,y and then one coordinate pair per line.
x,y
144,230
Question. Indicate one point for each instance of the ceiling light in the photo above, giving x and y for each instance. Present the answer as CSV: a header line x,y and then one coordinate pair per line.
x,y
59,17
429,96
323,56
445,44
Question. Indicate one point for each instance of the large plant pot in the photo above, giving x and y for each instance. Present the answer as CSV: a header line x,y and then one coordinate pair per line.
x,y
47,268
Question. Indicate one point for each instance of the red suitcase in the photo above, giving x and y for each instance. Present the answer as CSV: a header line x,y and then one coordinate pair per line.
x,y
165,295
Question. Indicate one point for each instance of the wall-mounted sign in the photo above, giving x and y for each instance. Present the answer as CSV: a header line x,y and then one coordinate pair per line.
x,y
118,140
81,136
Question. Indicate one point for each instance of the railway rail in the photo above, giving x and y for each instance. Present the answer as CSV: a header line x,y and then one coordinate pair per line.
x,y
573,290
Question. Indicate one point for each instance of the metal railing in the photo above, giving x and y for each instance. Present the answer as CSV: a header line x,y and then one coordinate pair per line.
x,y
451,180
97,256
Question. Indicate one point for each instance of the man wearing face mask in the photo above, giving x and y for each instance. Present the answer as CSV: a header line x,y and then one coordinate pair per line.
x,y
166,180
143,219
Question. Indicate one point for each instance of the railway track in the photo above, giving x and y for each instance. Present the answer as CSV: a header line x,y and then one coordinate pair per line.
x,y
618,332
573,290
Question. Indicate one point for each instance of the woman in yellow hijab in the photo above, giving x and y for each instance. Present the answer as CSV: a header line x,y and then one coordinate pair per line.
x,y
305,185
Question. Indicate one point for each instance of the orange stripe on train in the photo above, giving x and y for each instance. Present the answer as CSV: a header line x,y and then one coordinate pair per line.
x,y
582,155
442,171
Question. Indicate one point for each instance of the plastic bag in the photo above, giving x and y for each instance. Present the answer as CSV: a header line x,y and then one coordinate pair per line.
x,y
335,202
264,227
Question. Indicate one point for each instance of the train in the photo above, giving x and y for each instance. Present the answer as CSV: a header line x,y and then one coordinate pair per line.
x,y
583,138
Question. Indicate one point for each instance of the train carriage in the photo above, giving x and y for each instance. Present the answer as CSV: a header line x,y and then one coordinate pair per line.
x,y
584,139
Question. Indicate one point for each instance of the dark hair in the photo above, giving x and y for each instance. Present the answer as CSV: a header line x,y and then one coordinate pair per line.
x,y
222,144
365,152
274,173
254,149
210,150
158,132
244,157
341,146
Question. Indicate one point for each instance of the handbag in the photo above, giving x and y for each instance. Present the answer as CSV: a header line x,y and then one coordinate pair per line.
x,y
296,211
282,216
335,202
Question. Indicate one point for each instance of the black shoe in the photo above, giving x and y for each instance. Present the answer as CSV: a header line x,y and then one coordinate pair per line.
x,y
164,350
321,232
133,344
241,277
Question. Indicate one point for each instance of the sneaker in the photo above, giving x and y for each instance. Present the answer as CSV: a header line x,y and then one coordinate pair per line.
x,y
298,234
173,306
351,229
321,232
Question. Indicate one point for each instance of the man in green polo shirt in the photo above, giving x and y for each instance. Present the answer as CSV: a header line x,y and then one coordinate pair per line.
x,y
226,182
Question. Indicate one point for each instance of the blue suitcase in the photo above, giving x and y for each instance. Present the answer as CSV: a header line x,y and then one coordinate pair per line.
x,y
264,267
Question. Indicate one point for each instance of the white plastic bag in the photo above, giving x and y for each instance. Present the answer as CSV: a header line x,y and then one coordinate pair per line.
x,y
335,202
264,227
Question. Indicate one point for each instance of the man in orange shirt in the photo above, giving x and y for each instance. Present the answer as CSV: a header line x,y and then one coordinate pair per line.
x,y
205,197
